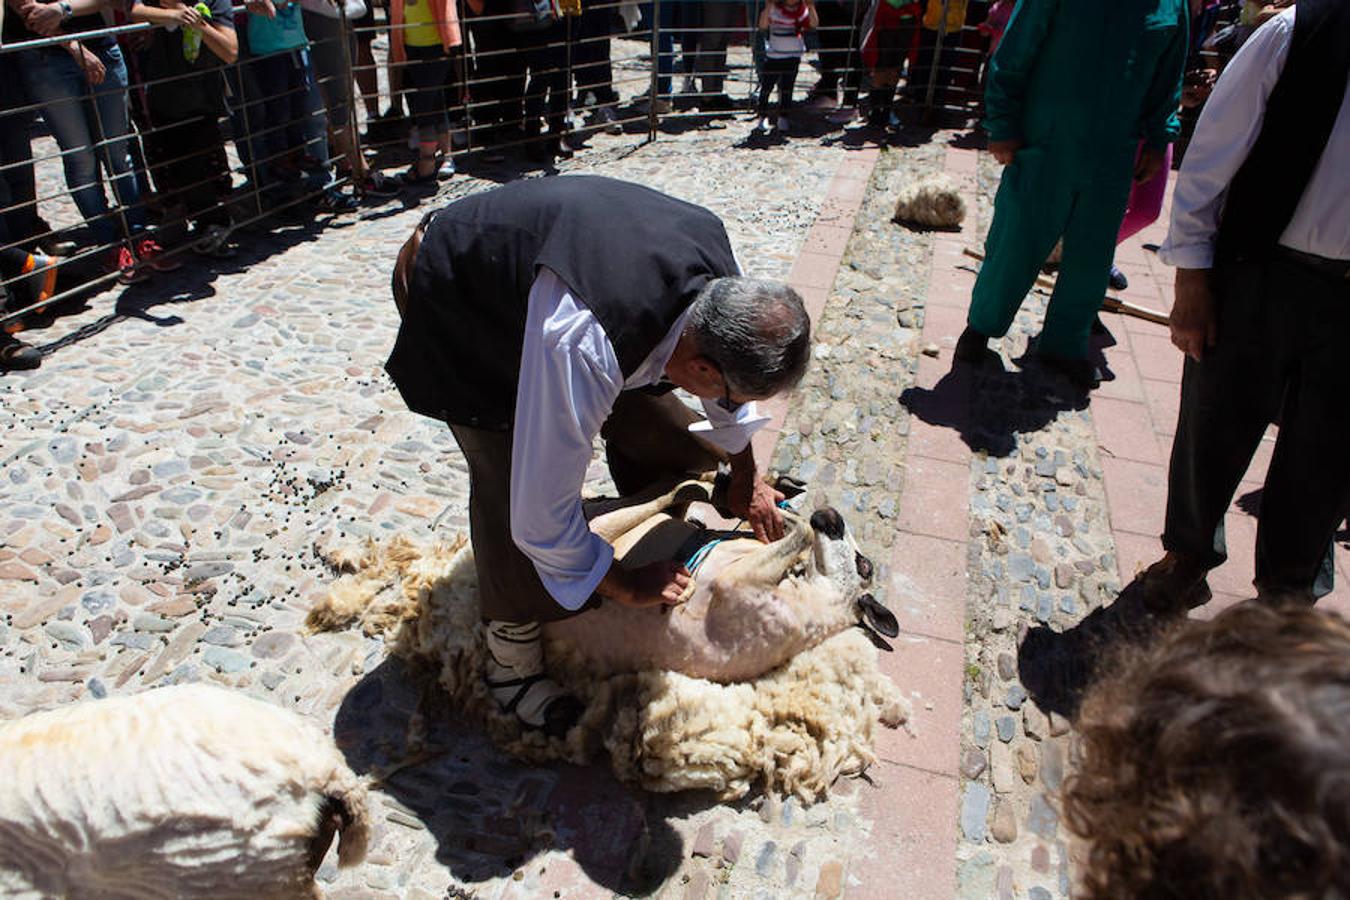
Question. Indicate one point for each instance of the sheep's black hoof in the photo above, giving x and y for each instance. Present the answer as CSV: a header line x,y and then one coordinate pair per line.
x,y
562,715
878,616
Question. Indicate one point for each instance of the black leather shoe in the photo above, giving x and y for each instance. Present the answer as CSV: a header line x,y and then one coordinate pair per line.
x,y
1173,586
1117,280
1082,373
15,355
971,346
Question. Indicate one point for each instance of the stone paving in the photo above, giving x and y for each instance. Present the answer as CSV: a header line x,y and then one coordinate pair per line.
x,y
170,474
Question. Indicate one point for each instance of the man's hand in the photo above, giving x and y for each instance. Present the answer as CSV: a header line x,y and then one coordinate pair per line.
x,y
753,500
1194,318
187,17
44,18
88,61
653,584
1004,151
1148,165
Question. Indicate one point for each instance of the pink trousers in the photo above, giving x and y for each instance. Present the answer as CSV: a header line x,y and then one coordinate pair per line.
x,y
1146,200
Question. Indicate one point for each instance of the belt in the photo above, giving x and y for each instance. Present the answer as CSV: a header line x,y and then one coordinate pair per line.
x,y
1336,269
403,267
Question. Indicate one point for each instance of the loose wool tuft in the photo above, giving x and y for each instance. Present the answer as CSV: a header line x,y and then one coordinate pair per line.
x,y
933,202
793,731
187,791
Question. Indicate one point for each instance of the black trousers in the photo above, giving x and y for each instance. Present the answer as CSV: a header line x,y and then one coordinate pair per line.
x,y
189,166
781,73
840,53
545,56
591,64
1280,357
647,439
499,71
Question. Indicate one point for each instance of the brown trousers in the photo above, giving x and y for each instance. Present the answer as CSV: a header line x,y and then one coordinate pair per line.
x,y
647,439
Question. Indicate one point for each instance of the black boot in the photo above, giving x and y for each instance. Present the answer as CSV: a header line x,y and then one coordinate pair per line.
x,y
971,346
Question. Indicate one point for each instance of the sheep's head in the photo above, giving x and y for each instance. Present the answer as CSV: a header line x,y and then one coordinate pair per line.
x,y
837,559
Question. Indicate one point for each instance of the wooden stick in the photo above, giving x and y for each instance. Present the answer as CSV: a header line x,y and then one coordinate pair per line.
x,y
1125,308
1109,303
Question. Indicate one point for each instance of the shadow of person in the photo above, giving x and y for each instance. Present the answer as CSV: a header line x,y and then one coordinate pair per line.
x,y
1056,668
490,815
989,405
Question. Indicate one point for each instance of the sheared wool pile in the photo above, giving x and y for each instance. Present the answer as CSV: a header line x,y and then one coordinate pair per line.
x,y
792,731
933,202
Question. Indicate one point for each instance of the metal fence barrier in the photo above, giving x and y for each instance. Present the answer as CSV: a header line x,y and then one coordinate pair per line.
x,y
290,121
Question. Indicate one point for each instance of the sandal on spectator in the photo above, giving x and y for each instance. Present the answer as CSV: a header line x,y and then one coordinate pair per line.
x,y
122,262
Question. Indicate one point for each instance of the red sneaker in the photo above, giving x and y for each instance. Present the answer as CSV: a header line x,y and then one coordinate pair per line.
x,y
121,260
152,254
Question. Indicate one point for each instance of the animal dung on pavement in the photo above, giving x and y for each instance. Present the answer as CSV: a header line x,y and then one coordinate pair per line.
x,y
932,202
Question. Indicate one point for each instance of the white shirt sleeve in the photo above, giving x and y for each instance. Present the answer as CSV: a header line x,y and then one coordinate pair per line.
x,y
729,431
1227,130
569,380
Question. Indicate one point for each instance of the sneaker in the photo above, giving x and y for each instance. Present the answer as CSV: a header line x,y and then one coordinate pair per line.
x,y
377,184
607,120
1173,585
121,260
844,115
764,125
1117,279
446,168
213,241
150,253
36,282
784,125
334,201
15,355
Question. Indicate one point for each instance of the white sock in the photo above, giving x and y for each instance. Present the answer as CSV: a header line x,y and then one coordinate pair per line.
x,y
515,670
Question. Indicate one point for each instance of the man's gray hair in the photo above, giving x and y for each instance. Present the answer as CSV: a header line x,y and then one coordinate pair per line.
x,y
756,331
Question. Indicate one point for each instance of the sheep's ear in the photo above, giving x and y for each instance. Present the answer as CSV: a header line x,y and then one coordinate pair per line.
x,y
877,640
878,616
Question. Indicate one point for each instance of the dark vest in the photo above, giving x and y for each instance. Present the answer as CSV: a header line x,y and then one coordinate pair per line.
x,y
1300,115
635,257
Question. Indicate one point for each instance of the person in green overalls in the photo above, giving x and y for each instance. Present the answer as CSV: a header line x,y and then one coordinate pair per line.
x,y
1073,89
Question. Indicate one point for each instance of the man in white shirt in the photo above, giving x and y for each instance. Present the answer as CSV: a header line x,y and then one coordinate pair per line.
x,y
544,313
1260,235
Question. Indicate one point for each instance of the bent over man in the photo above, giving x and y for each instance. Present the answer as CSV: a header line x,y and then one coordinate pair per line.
x,y
541,314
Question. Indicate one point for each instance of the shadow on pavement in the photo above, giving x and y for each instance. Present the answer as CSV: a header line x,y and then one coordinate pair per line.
x,y
1056,668
491,815
989,405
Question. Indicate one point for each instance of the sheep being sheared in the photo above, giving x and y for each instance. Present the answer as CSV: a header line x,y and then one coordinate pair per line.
x,y
754,606
185,791
758,678
933,202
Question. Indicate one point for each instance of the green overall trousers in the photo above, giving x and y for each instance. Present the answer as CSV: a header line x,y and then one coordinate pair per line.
x,y
1081,83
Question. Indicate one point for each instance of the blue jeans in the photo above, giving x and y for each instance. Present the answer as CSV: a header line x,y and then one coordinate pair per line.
x,y
55,80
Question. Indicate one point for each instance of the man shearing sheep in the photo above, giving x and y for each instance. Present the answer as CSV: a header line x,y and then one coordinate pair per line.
x,y
547,311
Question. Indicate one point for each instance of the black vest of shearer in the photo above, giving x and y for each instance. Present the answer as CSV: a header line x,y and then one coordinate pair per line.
x,y
1300,115
635,257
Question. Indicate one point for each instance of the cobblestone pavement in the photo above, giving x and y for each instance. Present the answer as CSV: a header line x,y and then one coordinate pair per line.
x,y
188,446
168,475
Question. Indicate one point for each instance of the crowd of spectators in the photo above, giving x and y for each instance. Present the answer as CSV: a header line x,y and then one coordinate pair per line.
x,y
148,95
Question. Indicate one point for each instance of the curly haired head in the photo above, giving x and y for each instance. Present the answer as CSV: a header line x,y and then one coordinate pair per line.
x,y
1216,763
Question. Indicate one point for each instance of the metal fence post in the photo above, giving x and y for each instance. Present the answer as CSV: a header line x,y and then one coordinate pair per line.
x,y
933,68
653,118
